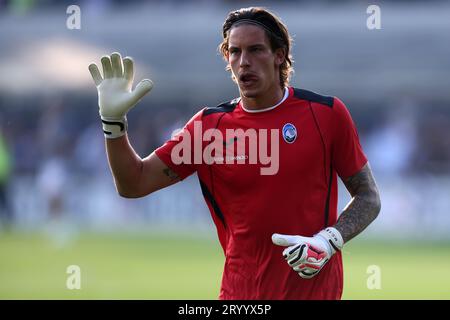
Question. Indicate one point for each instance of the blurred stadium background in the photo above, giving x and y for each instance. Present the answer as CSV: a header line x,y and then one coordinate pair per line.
x,y
58,205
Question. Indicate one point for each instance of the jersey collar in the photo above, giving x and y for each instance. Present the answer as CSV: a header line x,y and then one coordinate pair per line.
x,y
285,96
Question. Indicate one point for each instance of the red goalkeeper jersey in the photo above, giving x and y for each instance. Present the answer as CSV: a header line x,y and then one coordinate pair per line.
x,y
317,141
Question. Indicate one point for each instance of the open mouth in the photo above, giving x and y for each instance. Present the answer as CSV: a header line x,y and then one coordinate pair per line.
x,y
248,79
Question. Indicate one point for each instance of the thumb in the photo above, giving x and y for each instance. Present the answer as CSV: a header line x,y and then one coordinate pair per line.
x,y
284,240
141,90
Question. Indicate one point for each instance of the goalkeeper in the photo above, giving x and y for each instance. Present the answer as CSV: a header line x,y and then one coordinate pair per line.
x,y
255,214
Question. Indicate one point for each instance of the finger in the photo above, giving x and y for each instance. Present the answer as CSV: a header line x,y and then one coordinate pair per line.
x,y
141,90
284,240
307,267
107,69
116,62
306,274
95,73
128,66
292,251
298,257
316,256
299,268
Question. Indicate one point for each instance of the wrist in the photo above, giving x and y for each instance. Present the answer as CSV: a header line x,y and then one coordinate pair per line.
x,y
333,239
114,127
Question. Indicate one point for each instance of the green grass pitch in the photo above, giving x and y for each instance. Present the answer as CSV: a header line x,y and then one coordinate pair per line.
x,y
154,266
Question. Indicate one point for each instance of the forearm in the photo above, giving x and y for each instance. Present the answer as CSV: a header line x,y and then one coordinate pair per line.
x,y
364,206
358,214
125,164
134,177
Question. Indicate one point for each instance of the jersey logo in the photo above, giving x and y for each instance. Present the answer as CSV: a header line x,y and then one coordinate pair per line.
x,y
289,133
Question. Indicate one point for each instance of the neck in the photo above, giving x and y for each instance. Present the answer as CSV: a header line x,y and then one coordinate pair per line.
x,y
265,100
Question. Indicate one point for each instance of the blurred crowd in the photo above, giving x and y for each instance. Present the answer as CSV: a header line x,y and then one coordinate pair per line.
x,y
53,164
56,142
406,137
24,6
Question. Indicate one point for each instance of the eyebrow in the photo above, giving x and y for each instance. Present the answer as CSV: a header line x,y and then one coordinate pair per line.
x,y
256,45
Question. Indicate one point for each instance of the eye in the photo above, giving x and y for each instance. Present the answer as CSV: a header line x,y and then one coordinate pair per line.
x,y
233,51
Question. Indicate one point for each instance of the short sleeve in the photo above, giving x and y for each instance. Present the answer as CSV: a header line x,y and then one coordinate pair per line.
x,y
178,152
348,157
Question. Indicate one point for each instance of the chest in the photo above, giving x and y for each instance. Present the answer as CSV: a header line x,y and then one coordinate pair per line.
x,y
252,150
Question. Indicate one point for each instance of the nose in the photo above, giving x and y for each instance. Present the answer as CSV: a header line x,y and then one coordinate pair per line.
x,y
244,62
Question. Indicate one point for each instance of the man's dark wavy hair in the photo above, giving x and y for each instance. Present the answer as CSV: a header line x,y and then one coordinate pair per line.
x,y
276,31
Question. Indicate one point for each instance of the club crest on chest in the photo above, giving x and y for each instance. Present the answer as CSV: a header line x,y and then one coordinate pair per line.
x,y
289,133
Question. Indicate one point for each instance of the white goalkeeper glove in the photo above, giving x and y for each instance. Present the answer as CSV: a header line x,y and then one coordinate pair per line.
x,y
115,94
308,255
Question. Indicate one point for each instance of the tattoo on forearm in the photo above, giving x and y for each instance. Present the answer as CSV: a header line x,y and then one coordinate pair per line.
x,y
172,175
364,206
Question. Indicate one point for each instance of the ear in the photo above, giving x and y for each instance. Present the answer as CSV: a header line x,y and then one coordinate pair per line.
x,y
280,56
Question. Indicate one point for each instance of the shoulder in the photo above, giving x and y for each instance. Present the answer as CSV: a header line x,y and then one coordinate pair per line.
x,y
223,107
311,96
326,108
209,116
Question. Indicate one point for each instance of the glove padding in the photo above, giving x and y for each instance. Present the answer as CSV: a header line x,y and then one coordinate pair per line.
x,y
115,94
308,255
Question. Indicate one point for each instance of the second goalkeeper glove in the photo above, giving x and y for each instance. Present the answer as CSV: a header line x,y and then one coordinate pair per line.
x,y
308,255
115,94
